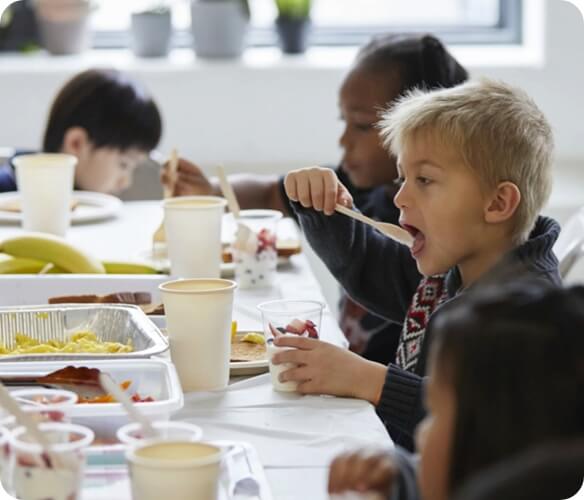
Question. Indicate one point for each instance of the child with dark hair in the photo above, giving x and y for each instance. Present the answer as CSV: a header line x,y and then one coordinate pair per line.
x,y
506,377
108,122
385,68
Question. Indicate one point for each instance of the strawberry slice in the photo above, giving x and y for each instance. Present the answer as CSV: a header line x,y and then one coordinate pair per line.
x,y
296,326
311,329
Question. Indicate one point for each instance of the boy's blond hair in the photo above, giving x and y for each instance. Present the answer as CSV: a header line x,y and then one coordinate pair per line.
x,y
498,130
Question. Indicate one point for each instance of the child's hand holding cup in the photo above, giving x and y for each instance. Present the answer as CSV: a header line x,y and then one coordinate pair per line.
x,y
288,317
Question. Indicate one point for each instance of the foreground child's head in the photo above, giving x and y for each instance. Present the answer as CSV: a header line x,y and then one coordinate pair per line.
x,y
507,374
386,68
475,164
109,123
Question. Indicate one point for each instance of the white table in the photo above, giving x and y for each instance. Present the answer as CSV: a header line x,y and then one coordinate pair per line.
x,y
295,436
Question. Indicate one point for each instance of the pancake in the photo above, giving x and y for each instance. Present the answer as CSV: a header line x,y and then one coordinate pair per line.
x,y
246,351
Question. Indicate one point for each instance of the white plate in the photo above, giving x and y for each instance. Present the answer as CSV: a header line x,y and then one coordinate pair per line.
x,y
92,207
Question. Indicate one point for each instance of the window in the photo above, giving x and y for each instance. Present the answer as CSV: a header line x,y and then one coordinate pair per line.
x,y
345,22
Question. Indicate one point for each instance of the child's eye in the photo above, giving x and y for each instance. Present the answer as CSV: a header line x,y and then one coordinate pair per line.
x,y
398,181
363,127
424,181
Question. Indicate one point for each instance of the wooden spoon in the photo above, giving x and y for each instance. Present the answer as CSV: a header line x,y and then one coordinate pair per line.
x,y
228,192
390,230
159,235
114,389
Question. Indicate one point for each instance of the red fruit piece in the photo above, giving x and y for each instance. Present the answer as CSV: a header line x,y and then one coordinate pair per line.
x,y
296,326
311,329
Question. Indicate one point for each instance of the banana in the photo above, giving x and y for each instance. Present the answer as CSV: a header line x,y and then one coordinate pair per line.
x,y
114,267
19,265
49,248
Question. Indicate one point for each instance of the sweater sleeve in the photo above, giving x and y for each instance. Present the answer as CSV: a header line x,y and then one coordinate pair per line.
x,y
376,271
406,486
401,404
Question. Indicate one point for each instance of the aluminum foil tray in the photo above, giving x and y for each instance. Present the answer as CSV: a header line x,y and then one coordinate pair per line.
x,y
109,322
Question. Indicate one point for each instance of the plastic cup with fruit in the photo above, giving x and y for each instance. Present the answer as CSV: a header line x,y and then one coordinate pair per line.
x,y
33,476
45,405
254,248
282,318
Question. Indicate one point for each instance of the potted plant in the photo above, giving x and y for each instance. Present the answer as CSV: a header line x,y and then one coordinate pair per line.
x,y
293,25
64,25
151,30
219,27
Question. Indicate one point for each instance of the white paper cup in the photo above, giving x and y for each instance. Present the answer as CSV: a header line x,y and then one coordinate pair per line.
x,y
45,183
198,319
193,235
177,470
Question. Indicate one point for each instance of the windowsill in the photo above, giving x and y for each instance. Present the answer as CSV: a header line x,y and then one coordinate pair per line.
x,y
254,58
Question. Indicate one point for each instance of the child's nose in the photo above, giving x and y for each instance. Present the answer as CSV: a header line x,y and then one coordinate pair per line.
x,y
344,139
400,198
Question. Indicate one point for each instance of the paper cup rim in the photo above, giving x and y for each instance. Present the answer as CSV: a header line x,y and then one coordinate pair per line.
x,y
43,159
157,463
169,286
181,203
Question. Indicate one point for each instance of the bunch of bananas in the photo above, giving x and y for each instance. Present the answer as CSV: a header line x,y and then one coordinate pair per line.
x,y
33,252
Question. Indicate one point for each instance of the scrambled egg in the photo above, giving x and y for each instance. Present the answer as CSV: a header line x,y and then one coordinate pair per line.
x,y
80,342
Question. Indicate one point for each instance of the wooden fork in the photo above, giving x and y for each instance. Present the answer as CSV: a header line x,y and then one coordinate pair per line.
x,y
159,235
390,230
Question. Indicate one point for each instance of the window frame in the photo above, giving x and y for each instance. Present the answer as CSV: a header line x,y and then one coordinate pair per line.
x,y
507,31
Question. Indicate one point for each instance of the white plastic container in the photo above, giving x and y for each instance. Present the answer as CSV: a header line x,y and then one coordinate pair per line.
x,y
149,377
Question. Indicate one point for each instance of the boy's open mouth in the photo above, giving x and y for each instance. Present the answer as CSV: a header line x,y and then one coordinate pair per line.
x,y
419,239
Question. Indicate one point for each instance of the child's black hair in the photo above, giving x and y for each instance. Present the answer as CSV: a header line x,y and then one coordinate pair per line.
x,y
114,111
515,359
421,61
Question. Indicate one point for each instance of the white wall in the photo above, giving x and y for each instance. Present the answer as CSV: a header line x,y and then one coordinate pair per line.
x,y
268,113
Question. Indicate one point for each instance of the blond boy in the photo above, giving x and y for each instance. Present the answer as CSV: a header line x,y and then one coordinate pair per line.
x,y
475,171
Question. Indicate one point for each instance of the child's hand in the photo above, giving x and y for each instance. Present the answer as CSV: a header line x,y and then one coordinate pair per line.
x,y
318,188
365,470
189,180
327,369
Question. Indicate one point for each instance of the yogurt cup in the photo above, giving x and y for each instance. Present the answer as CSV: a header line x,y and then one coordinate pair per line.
x,y
181,470
33,477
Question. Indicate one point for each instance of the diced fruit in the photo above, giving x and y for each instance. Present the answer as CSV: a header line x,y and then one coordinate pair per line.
x,y
296,326
311,329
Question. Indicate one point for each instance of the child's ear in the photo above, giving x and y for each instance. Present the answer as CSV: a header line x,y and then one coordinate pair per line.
x,y
503,204
75,141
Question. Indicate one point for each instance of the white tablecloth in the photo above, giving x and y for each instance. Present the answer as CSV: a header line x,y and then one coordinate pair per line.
x,y
296,437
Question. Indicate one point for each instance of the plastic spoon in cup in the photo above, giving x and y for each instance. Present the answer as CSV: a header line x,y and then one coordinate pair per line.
x,y
114,389
26,421
390,230
159,235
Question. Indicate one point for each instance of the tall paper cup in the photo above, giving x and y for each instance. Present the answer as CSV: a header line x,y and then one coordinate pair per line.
x,y
175,470
198,319
45,183
193,235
